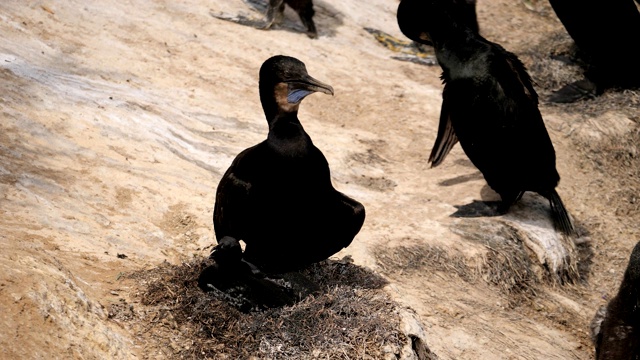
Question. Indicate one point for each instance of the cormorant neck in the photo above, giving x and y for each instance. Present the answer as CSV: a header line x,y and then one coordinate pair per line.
x,y
284,121
459,51
287,136
269,106
453,36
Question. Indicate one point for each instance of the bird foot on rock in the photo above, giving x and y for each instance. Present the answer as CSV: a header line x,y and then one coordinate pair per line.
x,y
579,90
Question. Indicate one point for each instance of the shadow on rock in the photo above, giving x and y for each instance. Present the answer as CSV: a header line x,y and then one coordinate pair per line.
x,y
477,175
477,208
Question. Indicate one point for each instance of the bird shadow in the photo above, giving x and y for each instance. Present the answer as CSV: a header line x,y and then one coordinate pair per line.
x,y
487,207
462,179
465,162
326,18
477,208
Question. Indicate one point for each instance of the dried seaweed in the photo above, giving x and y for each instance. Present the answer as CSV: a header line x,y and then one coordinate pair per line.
x,y
506,266
408,259
351,318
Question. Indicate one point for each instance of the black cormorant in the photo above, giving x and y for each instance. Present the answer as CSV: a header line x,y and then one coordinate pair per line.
x,y
304,9
277,196
618,335
274,14
606,32
488,104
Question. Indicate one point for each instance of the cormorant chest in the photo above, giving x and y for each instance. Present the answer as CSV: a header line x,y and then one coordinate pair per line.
x,y
290,177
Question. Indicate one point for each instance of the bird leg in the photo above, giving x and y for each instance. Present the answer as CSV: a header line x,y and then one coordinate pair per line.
x,y
306,16
275,13
508,199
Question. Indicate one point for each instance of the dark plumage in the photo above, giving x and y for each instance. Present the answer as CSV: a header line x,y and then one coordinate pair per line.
x,y
277,196
618,336
304,8
237,285
597,27
466,14
488,104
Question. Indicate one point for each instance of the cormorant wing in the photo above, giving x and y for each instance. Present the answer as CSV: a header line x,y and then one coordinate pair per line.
x,y
446,138
232,211
522,76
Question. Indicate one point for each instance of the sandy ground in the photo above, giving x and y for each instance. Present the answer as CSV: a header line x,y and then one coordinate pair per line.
x,y
119,117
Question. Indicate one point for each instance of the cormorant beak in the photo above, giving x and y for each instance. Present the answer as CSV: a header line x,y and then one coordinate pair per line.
x,y
299,89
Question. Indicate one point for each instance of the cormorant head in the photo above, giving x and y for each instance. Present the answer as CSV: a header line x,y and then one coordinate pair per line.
x,y
284,82
227,253
420,20
414,19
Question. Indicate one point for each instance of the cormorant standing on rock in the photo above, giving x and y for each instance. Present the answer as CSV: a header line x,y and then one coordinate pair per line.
x,y
489,105
618,336
274,14
277,196
304,8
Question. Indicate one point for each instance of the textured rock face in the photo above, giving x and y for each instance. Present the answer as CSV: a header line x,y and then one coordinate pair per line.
x,y
117,120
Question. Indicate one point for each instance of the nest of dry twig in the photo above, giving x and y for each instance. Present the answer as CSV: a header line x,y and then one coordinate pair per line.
x,y
351,317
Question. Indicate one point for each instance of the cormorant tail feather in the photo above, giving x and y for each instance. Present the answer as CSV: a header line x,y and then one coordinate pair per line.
x,y
560,215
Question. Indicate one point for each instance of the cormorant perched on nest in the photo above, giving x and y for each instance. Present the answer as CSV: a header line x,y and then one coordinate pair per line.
x,y
277,196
